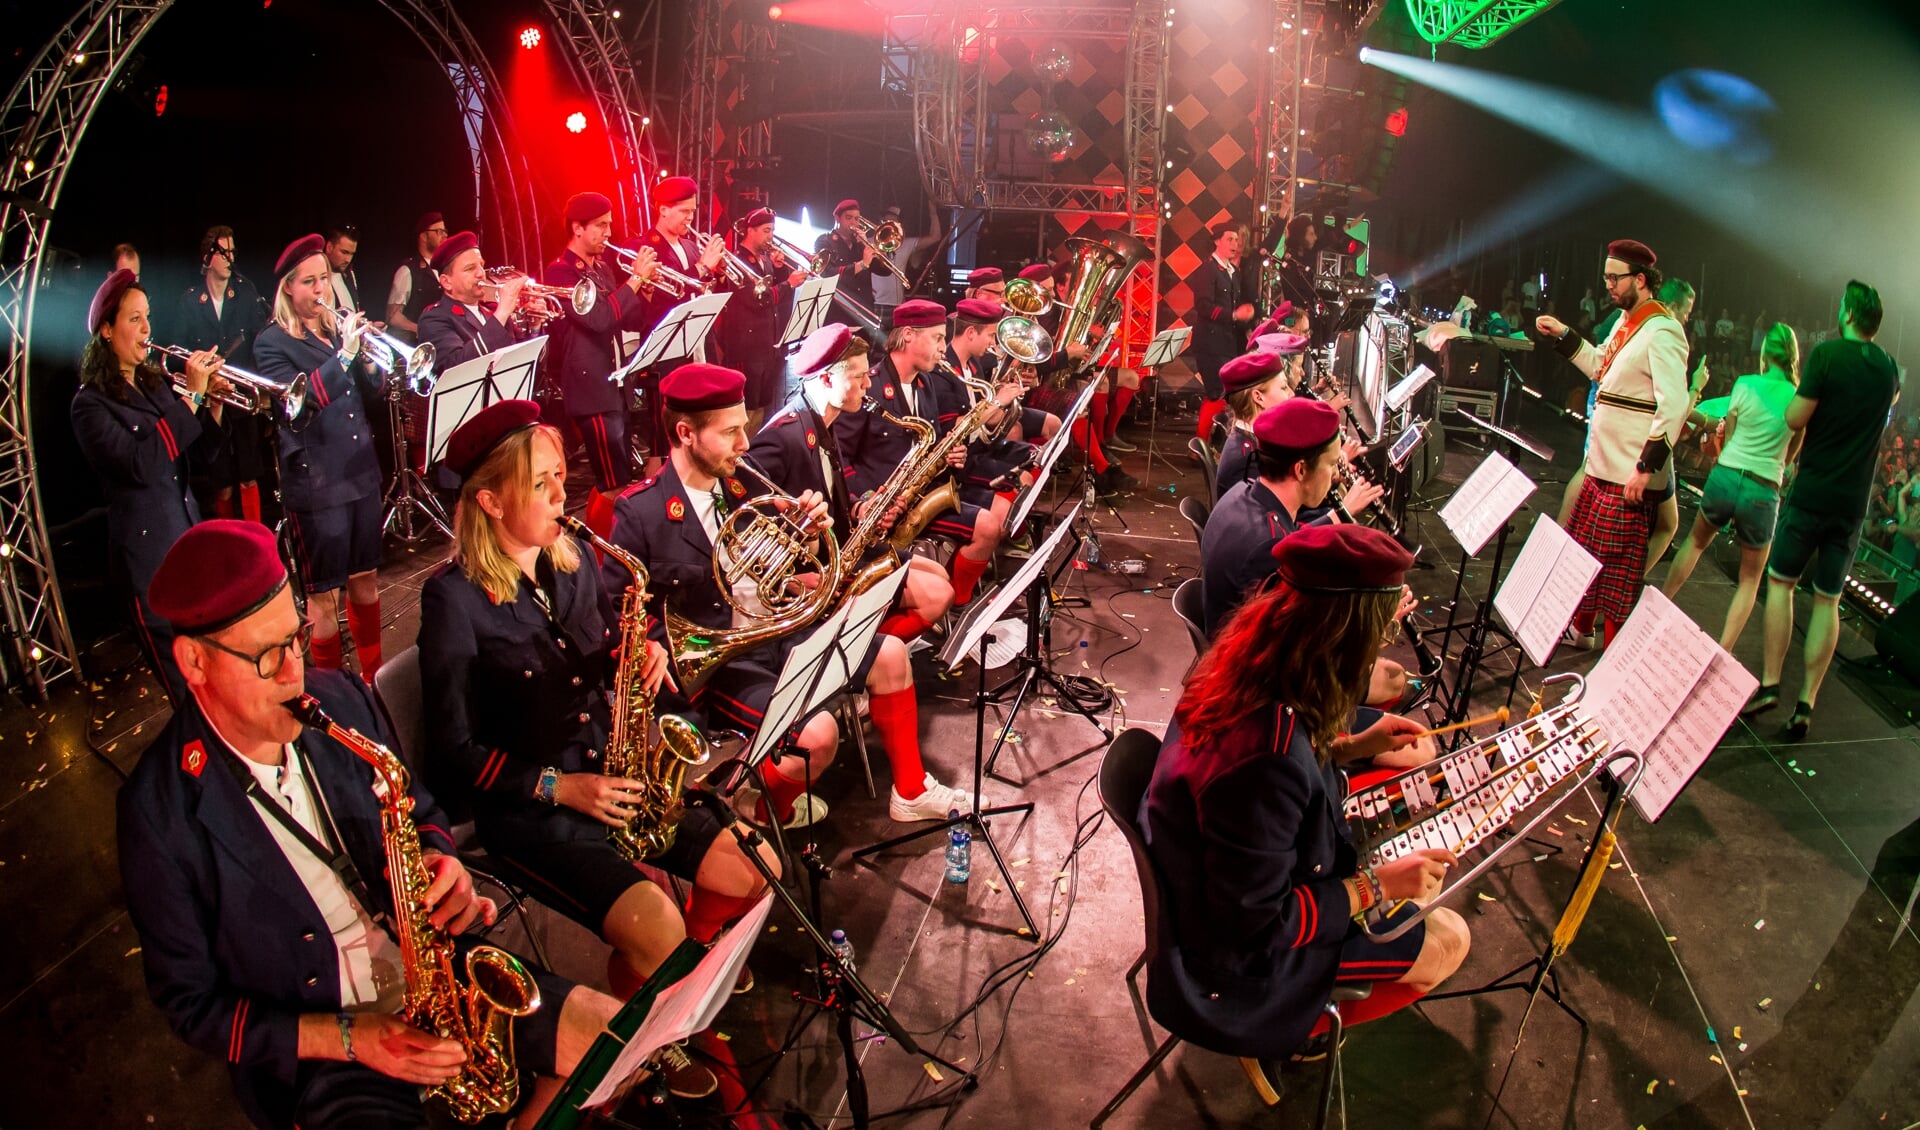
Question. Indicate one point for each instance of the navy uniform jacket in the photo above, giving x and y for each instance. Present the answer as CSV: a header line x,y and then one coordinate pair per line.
x,y
140,449
749,327
787,450
874,445
1237,463
653,520
1216,294
508,690
1250,849
1236,548
843,259
326,452
580,347
459,332
234,947
241,317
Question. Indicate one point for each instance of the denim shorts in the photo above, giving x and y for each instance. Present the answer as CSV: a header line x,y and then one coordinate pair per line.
x,y
1748,503
1827,541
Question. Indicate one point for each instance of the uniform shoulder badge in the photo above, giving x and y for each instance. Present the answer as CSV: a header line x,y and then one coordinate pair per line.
x,y
636,488
812,440
887,392
203,296
194,757
676,510
459,311
736,488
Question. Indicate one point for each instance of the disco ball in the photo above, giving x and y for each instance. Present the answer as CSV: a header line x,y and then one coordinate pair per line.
x,y
1050,135
1053,63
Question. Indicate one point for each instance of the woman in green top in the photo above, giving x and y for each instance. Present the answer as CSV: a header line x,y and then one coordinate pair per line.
x,y
1744,489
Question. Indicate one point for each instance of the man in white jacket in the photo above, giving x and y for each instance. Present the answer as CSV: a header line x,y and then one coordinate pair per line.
x,y
1642,371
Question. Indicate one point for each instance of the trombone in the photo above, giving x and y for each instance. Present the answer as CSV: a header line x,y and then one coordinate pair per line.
x,y
885,239
249,392
739,272
664,279
385,351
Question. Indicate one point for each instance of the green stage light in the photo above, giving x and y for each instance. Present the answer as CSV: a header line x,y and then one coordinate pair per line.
x,y
1471,23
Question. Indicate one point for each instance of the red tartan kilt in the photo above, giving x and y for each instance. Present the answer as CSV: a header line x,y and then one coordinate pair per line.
x,y
1615,532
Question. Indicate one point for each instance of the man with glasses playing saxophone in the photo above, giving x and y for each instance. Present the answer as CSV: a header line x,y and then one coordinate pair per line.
x,y
253,858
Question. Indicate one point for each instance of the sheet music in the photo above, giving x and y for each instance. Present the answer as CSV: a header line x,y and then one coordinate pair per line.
x,y
1647,672
462,391
1544,588
810,305
1485,501
1398,396
1697,727
682,333
688,1005
1165,346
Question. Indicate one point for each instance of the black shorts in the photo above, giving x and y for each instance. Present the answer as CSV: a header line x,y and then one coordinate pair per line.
x,y
1033,424
1825,541
564,859
1362,959
335,542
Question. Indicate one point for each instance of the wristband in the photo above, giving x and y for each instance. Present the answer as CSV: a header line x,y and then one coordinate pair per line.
x,y
197,399
345,1020
549,783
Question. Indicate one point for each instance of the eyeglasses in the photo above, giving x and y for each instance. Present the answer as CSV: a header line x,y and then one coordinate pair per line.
x,y
269,661
1613,278
437,231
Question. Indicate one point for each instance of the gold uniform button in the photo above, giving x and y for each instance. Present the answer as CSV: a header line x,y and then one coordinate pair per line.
x,y
585,717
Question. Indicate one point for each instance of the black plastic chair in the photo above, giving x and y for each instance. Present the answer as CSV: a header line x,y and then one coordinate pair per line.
x,y
397,687
1195,512
1188,604
1209,466
1125,773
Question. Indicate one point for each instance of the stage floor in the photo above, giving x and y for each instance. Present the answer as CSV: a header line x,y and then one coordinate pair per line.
x,y
1746,966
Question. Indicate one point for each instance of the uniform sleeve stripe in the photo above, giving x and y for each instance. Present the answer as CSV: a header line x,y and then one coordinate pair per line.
x,y
491,768
238,1041
166,436
317,389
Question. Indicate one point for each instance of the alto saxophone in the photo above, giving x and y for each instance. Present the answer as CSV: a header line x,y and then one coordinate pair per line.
x,y
661,769
479,1015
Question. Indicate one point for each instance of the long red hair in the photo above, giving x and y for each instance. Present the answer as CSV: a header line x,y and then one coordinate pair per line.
x,y
1311,651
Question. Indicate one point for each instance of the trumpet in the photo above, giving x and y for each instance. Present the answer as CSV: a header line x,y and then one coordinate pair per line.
x,y
665,279
386,352
739,272
539,302
238,388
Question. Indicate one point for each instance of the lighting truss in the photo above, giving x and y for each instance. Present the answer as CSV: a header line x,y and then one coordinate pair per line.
x,y
597,54
1471,23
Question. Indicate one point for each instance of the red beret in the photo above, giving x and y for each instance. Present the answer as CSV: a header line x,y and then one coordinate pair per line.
x,y
298,252
1273,321
1297,424
757,217
917,312
217,574
985,276
847,205
700,387
822,349
1632,252
586,207
107,296
473,441
426,220
675,190
1342,558
1036,271
451,249
1282,343
1250,369
980,311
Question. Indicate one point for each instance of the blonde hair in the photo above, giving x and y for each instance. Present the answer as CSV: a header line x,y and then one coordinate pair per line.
x,y
1782,348
286,319
508,473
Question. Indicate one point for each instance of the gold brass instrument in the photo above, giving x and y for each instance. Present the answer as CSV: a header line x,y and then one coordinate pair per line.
x,y
1021,341
661,769
478,1015
739,272
664,279
1459,800
1092,292
385,351
249,392
539,302
885,239
815,261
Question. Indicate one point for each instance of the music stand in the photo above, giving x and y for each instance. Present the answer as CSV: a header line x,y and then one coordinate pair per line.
x,y
1049,454
462,391
971,636
811,304
1500,490
682,333
1165,346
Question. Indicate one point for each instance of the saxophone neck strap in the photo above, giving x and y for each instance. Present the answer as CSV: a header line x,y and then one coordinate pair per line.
x,y
329,851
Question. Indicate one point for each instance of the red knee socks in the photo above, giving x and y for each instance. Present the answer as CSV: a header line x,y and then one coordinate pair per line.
x,y
897,717
223,504
363,620
250,501
1097,415
326,652
780,789
1208,410
966,573
1122,398
905,625
1093,451
1388,996
708,912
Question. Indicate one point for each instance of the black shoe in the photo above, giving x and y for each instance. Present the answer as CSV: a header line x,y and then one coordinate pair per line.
x,y
1765,698
1113,480
1802,717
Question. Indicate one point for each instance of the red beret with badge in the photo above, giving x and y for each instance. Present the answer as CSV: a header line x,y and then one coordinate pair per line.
x,y
985,276
1297,425
675,190
1632,252
298,252
452,248
586,207
822,349
918,313
217,574
979,311
1250,369
471,442
1036,271
845,206
1342,558
700,387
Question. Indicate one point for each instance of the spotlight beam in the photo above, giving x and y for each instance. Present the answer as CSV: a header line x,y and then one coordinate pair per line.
x,y
1569,189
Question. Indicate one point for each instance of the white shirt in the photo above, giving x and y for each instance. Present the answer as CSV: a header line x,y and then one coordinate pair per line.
x,y
372,972
703,509
217,296
402,286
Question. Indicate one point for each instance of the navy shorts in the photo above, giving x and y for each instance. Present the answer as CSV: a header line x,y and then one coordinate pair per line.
x,y
1033,424
564,859
956,524
1362,959
1826,541
336,542
1752,506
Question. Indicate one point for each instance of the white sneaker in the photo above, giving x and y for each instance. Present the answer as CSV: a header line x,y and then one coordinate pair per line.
x,y
1574,639
933,804
808,809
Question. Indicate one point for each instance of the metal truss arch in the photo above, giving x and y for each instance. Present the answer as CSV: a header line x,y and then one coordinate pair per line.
x,y
1471,23
604,68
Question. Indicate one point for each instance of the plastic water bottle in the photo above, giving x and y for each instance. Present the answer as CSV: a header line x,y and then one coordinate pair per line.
x,y
959,855
842,948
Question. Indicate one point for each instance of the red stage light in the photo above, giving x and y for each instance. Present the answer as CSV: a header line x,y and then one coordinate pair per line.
x,y
576,122
530,37
1397,122
160,101
774,12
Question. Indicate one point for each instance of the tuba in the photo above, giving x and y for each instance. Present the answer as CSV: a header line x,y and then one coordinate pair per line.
x,y
479,1015
661,769
1092,291
769,546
